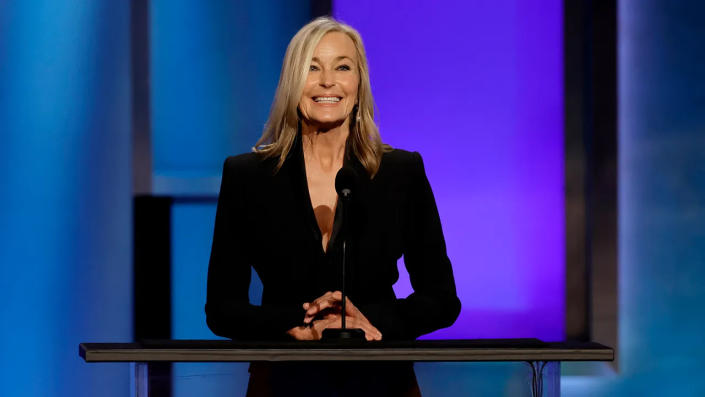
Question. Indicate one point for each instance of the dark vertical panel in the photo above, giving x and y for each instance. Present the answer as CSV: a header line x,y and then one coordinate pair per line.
x,y
152,280
575,53
603,196
591,170
141,123
152,266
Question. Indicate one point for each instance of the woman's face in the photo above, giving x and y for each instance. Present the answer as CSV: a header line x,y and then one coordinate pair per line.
x,y
330,91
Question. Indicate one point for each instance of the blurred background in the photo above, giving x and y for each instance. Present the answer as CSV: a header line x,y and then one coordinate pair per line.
x,y
563,140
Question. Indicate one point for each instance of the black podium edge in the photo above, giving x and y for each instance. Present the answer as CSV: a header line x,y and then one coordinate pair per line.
x,y
421,352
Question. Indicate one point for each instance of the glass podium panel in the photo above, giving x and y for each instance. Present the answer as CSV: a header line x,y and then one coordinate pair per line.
x,y
434,379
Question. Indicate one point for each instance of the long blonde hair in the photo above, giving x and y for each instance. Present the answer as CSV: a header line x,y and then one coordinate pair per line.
x,y
283,124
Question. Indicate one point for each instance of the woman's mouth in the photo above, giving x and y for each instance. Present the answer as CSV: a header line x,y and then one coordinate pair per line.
x,y
326,99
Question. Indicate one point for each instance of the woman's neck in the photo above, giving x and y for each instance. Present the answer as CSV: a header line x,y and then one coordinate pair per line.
x,y
326,147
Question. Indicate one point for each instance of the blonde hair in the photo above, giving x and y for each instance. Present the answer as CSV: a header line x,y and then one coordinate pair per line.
x,y
283,124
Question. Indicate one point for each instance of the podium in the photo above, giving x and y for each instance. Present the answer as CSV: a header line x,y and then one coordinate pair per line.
x,y
543,358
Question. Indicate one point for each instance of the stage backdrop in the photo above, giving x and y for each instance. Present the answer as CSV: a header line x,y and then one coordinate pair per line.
x,y
65,198
476,88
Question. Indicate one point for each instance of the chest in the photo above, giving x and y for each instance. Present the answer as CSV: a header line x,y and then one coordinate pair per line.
x,y
320,183
321,189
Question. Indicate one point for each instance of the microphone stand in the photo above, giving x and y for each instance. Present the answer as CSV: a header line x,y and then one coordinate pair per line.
x,y
344,334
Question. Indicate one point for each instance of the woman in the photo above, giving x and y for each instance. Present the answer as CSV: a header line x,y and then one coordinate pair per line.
x,y
278,212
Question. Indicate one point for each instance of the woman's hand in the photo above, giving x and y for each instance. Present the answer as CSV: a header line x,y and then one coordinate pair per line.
x,y
301,333
329,307
335,321
326,303
315,331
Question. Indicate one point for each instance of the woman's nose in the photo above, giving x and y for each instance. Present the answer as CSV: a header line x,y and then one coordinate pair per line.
x,y
326,79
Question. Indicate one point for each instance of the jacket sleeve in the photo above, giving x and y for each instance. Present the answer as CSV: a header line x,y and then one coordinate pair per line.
x,y
228,310
434,303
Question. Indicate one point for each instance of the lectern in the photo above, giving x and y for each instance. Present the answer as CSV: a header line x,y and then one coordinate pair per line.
x,y
543,358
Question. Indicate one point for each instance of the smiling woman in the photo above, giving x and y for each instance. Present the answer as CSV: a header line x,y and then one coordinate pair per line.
x,y
278,212
330,92
302,69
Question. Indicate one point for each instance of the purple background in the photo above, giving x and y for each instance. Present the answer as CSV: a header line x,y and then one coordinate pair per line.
x,y
477,90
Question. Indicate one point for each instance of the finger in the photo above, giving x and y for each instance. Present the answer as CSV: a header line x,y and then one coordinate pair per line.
x,y
354,323
320,314
332,300
317,302
322,303
328,296
320,325
358,318
365,325
306,306
301,333
329,300
371,333
333,320
312,308
350,308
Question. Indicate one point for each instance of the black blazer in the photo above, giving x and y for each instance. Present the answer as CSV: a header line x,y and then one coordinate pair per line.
x,y
265,220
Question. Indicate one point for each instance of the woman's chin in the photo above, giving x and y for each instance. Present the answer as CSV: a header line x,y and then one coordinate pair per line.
x,y
326,124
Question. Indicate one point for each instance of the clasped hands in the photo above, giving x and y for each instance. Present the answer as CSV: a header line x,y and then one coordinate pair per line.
x,y
326,312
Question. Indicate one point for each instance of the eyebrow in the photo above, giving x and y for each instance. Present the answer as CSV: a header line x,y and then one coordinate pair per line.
x,y
336,59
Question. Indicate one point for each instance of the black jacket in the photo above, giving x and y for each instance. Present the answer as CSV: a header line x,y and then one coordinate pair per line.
x,y
265,220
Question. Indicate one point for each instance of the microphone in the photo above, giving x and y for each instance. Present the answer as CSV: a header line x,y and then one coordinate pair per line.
x,y
345,182
345,185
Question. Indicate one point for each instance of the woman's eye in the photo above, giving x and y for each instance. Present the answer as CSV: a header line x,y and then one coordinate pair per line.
x,y
343,67
313,68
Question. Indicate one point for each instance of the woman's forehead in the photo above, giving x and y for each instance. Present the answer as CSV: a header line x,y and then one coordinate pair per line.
x,y
335,45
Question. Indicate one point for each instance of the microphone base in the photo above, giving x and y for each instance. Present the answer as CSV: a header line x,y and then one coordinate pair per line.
x,y
343,335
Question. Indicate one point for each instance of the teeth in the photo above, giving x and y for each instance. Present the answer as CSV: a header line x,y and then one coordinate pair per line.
x,y
327,99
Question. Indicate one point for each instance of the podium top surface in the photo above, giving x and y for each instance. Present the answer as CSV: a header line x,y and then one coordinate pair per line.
x,y
423,350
